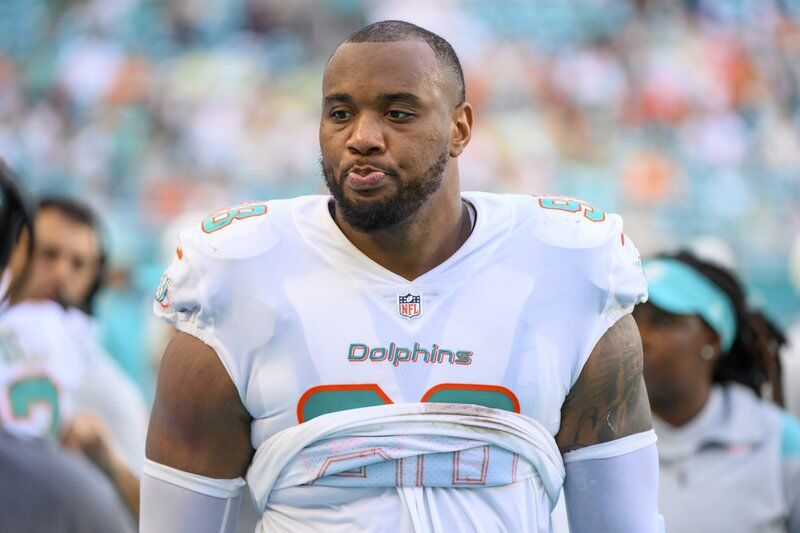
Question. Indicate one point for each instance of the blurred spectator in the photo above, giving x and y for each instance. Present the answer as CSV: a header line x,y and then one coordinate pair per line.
x,y
44,488
707,361
69,257
94,406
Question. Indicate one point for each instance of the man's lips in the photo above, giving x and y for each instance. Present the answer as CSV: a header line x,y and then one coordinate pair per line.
x,y
363,178
369,181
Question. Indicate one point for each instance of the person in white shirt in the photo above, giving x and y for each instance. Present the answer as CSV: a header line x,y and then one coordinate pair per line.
x,y
730,460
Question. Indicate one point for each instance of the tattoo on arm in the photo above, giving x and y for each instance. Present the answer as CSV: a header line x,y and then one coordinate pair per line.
x,y
609,399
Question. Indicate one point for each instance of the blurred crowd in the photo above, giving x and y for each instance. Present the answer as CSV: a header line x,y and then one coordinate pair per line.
x,y
682,116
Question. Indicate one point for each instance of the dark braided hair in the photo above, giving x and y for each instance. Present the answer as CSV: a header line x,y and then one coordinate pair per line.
x,y
753,358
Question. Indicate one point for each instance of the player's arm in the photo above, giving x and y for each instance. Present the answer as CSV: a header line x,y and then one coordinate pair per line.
x,y
607,440
198,444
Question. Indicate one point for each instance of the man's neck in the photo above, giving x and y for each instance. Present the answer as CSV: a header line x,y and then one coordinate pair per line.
x,y
422,243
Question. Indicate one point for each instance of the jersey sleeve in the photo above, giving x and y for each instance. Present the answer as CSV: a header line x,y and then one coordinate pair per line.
x,y
627,285
207,290
624,285
191,295
181,300
595,255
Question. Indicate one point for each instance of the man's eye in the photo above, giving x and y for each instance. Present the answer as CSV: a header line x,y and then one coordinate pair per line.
x,y
340,114
396,114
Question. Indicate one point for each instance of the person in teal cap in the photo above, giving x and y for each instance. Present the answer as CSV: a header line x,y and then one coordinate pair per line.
x,y
729,458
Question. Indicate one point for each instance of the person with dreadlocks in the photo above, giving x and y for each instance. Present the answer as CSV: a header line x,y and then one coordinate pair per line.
x,y
729,458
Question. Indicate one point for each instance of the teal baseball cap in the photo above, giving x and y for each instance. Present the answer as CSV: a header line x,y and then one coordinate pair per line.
x,y
678,288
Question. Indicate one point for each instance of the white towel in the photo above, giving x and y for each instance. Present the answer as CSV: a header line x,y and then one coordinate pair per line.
x,y
279,462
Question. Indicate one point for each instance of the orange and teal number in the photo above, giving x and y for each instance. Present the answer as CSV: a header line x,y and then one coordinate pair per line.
x,y
326,399
224,217
483,395
27,393
571,205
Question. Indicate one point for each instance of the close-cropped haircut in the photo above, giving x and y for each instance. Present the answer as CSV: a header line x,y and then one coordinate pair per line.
x,y
389,31
72,209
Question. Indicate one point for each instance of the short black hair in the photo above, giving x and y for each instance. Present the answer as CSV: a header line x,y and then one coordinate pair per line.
x,y
80,212
74,210
389,31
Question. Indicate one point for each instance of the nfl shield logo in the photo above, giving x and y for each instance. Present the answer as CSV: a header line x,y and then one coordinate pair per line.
x,y
409,306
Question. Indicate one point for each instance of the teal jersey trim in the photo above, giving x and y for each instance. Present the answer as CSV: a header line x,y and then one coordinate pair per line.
x,y
790,436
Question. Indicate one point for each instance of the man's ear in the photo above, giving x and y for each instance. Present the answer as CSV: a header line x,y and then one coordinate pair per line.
x,y
461,129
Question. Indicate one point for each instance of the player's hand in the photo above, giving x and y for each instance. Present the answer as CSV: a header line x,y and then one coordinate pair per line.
x,y
87,435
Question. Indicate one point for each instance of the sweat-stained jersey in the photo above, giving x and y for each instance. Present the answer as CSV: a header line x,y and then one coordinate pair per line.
x,y
306,324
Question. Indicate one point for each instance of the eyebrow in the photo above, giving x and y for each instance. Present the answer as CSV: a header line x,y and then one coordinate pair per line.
x,y
338,97
386,97
392,97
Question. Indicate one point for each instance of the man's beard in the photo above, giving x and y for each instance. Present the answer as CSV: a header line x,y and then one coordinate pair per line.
x,y
373,215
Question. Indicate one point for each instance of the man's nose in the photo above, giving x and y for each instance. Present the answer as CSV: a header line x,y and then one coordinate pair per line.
x,y
366,138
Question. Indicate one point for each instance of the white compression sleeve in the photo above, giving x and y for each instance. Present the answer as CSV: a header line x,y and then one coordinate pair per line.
x,y
180,502
613,487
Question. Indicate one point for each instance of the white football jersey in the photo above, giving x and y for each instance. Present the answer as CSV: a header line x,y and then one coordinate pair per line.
x,y
40,369
306,324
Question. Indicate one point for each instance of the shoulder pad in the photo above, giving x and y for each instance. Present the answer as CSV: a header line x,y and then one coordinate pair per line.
x,y
236,232
568,222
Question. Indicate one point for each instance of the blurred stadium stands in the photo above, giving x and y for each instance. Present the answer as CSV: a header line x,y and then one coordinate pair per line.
x,y
682,116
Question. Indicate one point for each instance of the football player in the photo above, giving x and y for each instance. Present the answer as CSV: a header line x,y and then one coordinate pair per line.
x,y
402,355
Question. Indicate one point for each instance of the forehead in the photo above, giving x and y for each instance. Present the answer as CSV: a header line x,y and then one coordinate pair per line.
x,y
53,228
376,68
